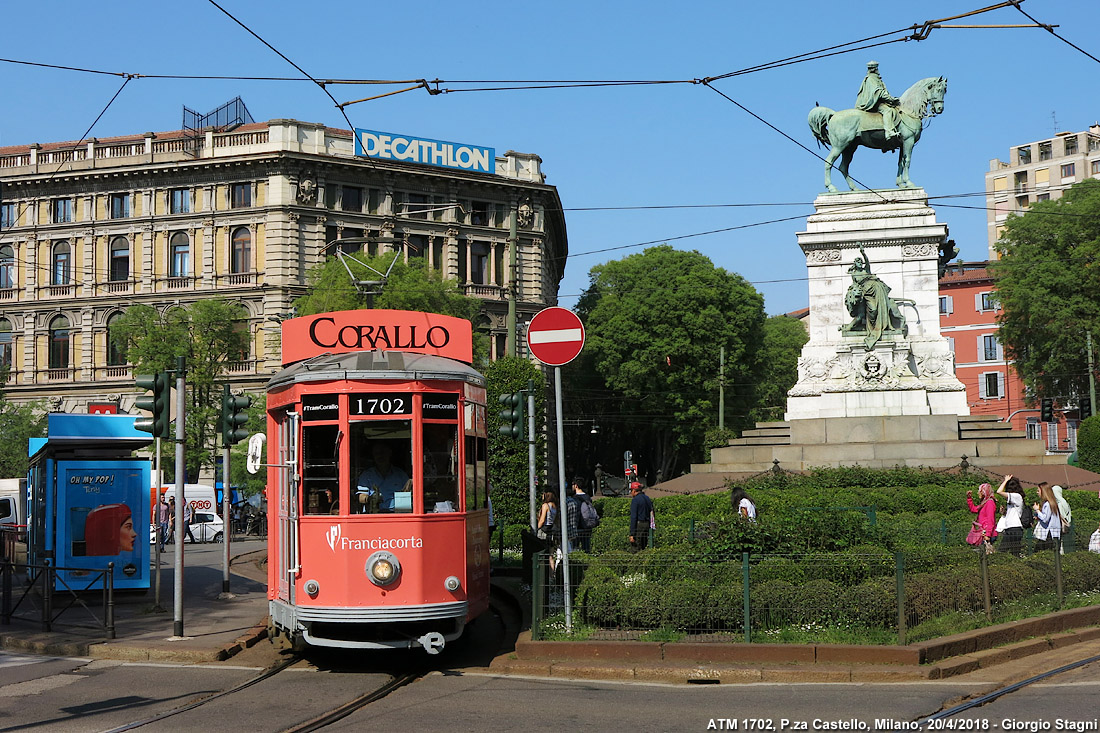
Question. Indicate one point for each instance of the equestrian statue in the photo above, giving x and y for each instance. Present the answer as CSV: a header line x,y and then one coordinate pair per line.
x,y
880,121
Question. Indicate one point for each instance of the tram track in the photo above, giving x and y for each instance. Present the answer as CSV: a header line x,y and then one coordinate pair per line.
x,y
930,722
352,706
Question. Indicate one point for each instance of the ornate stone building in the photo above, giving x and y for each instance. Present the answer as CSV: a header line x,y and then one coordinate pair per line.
x,y
88,229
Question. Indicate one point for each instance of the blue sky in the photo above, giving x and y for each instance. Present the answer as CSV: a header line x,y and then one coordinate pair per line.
x,y
636,146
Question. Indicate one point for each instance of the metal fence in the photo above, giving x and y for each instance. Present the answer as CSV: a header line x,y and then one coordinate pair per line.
x,y
29,592
843,597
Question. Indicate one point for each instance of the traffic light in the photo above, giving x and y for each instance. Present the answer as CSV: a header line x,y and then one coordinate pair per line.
x,y
233,415
1046,410
1084,407
512,415
158,403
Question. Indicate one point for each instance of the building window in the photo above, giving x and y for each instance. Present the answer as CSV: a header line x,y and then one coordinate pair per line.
x,y
374,198
241,256
120,205
946,303
61,268
479,263
116,355
180,255
1044,151
1023,155
437,254
1094,167
1070,145
416,206
1052,436
1069,170
1020,182
985,302
1043,197
59,343
991,385
352,199
179,201
8,214
991,349
417,246
7,267
1094,143
240,328
240,195
1034,429
1042,177
1002,210
61,211
1071,435
120,260
5,344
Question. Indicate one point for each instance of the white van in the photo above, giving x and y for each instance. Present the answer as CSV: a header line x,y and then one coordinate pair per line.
x,y
13,501
206,526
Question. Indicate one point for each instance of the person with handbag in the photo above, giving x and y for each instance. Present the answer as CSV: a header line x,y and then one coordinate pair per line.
x,y
984,528
547,529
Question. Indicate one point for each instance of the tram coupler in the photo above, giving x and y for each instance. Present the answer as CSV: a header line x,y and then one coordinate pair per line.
x,y
432,642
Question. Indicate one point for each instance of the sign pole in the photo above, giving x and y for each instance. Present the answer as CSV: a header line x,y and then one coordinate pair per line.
x,y
159,479
562,512
531,450
181,468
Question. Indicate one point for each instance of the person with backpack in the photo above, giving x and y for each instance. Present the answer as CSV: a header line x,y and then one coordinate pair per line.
x,y
1012,531
641,517
589,519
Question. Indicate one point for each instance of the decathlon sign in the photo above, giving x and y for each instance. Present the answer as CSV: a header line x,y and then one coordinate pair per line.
x,y
393,146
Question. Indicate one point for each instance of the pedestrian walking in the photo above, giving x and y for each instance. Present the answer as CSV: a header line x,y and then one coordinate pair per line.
x,y
188,517
164,521
641,517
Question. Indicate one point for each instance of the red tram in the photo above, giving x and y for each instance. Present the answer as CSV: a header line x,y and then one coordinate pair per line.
x,y
377,487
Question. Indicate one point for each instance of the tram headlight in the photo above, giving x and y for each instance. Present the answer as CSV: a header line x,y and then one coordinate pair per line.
x,y
312,588
383,568
452,583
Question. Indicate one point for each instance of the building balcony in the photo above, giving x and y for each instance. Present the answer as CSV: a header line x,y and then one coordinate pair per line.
x,y
9,294
58,291
115,287
114,372
485,292
239,278
176,283
64,374
245,366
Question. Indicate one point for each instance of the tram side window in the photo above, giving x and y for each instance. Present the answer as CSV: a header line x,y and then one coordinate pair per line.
x,y
482,473
440,464
381,453
473,481
320,469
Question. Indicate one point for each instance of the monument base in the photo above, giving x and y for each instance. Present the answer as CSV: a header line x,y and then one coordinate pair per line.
x,y
934,441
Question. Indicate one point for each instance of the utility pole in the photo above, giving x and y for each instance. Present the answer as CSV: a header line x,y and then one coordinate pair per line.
x,y
510,339
181,499
722,388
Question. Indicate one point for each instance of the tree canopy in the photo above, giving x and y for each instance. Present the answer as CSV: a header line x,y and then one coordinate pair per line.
x,y
784,338
209,333
654,323
1047,282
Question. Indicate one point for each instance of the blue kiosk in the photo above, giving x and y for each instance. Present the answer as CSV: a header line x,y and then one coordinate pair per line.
x,y
89,500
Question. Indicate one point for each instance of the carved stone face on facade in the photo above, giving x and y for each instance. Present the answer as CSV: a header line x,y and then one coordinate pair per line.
x,y
307,191
525,215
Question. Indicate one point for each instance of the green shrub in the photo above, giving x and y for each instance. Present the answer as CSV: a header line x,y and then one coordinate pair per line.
x,y
872,604
641,604
1088,443
684,605
777,568
1081,572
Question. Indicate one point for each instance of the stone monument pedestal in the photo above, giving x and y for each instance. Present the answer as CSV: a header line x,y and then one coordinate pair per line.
x,y
906,372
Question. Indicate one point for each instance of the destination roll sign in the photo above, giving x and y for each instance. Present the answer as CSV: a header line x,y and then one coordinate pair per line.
x,y
377,330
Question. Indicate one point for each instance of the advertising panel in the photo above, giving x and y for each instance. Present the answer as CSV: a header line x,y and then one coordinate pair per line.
x,y
102,517
394,146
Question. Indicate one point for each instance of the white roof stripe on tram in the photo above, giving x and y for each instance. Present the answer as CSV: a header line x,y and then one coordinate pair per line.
x,y
556,336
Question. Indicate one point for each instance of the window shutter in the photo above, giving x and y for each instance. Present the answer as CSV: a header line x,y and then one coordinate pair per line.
x,y
978,302
1001,385
981,348
950,306
951,343
981,386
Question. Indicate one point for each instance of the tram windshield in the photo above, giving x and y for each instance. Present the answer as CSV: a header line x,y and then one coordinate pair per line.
x,y
440,462
320,472
381,454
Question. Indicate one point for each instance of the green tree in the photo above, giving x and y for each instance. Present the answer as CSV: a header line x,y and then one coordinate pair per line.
x,y
18,423
654,323
239,477
1046,281
410,286
508,457
209,333
784,338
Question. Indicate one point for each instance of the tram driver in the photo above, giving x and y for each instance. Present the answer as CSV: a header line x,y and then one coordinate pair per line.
x,y
377,486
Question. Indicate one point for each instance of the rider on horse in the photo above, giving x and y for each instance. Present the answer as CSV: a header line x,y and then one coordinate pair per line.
x,y
873,97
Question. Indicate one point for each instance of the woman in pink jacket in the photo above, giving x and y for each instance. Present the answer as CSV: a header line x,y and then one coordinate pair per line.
x,y
986,509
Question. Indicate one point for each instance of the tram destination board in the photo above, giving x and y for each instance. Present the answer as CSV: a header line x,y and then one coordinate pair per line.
x,y
327,407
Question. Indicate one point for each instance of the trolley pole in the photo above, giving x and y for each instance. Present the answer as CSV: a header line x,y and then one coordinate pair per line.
x,y
562,511
181,407
510,322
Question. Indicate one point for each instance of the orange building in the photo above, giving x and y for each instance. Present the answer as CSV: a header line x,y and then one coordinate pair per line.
x,y
968,318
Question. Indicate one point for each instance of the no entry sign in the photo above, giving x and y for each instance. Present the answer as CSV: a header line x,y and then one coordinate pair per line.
x,y
555,336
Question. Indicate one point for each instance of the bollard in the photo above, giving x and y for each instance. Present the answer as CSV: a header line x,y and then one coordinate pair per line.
x,y
47,595
5,609
109,590
538,594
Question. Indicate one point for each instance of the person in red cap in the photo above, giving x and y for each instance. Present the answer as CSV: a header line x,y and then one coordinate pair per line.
x,y
109,530
641,512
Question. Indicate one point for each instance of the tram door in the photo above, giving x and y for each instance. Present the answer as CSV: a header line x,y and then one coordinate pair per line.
x,y
287,488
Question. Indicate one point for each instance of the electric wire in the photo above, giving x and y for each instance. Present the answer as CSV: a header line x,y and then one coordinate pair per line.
x,y
1050,30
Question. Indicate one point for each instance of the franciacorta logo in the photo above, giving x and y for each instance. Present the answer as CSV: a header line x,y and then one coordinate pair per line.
x,y
337,541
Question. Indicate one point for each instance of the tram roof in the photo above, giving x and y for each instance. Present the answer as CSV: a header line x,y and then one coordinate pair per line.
x,y
395,365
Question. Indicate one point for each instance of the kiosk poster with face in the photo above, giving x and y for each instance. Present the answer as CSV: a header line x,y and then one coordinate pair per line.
x,y
102,511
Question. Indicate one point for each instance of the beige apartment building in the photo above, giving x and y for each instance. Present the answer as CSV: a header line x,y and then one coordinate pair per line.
x,y
88,229
1038,171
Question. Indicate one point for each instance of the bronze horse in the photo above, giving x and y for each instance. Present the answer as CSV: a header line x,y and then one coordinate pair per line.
x,y
847,129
